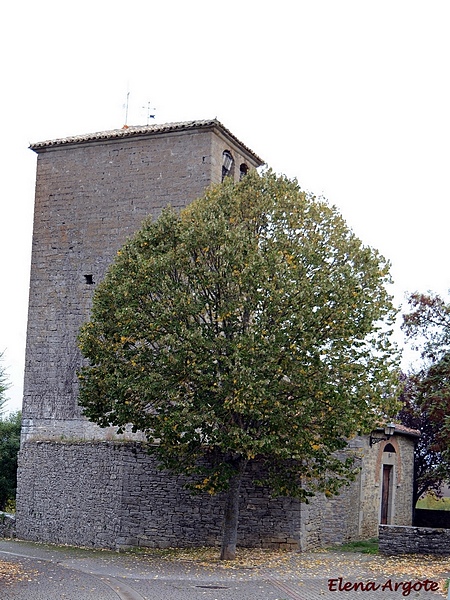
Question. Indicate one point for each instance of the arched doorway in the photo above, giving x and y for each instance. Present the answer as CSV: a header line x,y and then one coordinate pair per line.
x,y
387,488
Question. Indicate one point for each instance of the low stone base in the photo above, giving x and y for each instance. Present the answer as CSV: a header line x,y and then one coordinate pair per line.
x,y
112,495
413,540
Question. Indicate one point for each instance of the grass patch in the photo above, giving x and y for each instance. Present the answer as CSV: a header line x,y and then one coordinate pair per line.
x,y
362,546
432,503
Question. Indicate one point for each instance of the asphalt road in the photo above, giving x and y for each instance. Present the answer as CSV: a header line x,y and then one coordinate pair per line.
x,y
43,572
58,573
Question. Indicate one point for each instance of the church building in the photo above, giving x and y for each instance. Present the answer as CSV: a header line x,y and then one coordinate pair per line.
x,y
82,485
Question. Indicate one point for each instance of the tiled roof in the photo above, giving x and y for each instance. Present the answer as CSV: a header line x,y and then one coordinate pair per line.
x,y
144,130
402,429
406,430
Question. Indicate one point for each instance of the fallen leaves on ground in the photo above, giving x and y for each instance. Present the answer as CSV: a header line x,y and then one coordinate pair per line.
x,y
413,565
247,558
298,566
10,572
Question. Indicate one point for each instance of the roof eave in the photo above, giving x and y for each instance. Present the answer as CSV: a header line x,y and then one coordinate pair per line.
x,y
143,131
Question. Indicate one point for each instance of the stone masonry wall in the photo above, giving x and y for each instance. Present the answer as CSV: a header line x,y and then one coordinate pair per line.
x,y
335,520
158,511
413,540
401,487
90,197
109,494
355,513
73,493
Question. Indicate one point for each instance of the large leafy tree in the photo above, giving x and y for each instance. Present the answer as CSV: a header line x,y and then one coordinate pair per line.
x,y
427,393
252,326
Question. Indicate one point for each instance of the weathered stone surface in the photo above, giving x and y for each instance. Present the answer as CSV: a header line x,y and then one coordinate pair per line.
x,y
90,197
395,539
401,493
113,495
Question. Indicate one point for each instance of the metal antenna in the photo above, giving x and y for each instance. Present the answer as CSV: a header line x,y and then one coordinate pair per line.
x,y
126,109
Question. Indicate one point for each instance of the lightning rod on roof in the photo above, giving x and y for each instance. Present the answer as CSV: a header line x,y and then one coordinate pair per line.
x,y
126,110
150,112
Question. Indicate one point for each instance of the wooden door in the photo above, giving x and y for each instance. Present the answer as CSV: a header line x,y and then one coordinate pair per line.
x,y
385,494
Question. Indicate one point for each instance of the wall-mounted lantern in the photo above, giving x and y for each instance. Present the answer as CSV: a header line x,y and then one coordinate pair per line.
x,y
376,437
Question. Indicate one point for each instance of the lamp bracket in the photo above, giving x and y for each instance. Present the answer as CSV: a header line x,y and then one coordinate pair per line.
x,y
376,438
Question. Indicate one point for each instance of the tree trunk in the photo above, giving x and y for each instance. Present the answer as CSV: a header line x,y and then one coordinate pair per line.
x,y
231,517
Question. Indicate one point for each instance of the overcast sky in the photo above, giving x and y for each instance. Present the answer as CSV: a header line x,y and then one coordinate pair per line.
x,y
349,96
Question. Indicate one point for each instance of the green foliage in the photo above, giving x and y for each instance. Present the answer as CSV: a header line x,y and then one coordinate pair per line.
x,y
253,325
426,396
9,448
431,467
432,502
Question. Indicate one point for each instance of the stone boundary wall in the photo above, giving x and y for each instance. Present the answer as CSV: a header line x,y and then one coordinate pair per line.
x,y
413,540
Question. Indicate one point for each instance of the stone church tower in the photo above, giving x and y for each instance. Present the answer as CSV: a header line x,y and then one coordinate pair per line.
x,y
92,193
82,485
